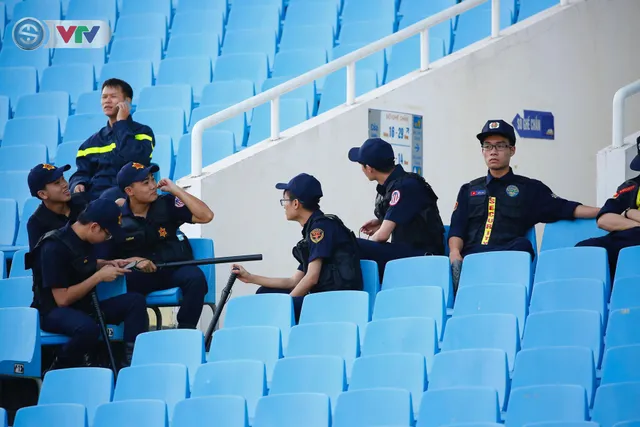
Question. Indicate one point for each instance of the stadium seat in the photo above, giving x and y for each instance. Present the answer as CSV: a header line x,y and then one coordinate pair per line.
x,y
529,8
479,269
362,408
163,155
306,92
371,280
59,415
372,10
138,74
420,271
623,327
254,17
227,411
5,113
251,41
261,343
17,265
492,299
227,92
402,335
95,57
216,145
89,102
45,104
459,405
197,23
73,79
137,49
557,402
89,387
481,367
566,233
29,206
415,301
365,32
15,187
135,7
555,365
132,413
16,292
293,410
190,45
376,61
418,10
199,5
316,37
164,121
292,63
39,9
562,424
18,81
14,57
3,418
407,371
565,328
626,262
237,124
66,155
569,294
615,403
33,130
91,9
292,113
155,26
334,92
8,221
195,71
20,342
619,364
304,13
81,126
242,66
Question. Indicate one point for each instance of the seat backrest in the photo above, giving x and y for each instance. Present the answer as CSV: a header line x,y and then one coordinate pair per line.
x,y
227,411
480,269
623,327
137,48
71,78
89,103
39,9
164,121
574,263
247,17
3,417
45,104
227,92
20,341
294,112
18,81
193,70
336,306
137,73
619,364
361,408
82,126
16,292
17,265
43,130
293,410
155,25
615,403
298,61
8,221
420,271
216,145
22,157
58,415
460,405
569,294
66,155
262,310
134,7
244,66
626,265
132,413
557,402
175,95
95,57
192,22
262,40
335,92
371,280
15,187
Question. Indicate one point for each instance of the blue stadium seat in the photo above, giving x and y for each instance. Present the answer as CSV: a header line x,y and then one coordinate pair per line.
x,y
529,8
261,343
8,222
92,9
261,310
155,26
237,124
565,328
164,121
132,413
17,81
195,71
137,49
365,32
561,424
315,37
17,265
33,130
619,364
89,387
15,57
246,378
3,267
200,5
20,342
557,402
5,113
292,112
317,12
293,410
3,418
306,92
460,405
66,155
623,327
39,9
45,104
623,424
15,187
371,279
479,269
482,367
261,40
163,155
405,56
28,208
419,10
325,339
82,126
415,301
227,92
95,57
555,365
227,411
216,145
71,78
499,331
420,271
199,22
254,17
242,66
625,294
626,262
334,92
491,299
138,74
292,63
402,335
566,233
376,61
60,415
190,45
407,371
371,10
615,403
89,102
16,292
569,294
361,408
135,7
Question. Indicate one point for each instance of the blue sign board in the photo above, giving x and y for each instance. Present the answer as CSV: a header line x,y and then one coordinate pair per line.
x,y
535,124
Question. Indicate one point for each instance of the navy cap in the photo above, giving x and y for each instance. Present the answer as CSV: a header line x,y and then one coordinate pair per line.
x,y
44,174
107,214
375,152
304,186
134,172
498,127
635,163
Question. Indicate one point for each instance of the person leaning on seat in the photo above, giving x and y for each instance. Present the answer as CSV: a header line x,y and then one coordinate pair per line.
x,y
327,253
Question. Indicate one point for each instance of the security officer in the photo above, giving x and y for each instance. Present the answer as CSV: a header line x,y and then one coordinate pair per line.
x,y
122,140
406,208
327,254
151,235
620,217
65,275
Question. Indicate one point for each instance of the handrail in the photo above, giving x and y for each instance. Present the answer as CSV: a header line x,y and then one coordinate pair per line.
x,y
617,137
349,61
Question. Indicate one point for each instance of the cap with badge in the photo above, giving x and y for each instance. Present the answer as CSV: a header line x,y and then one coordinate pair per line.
x,y
375,152
635,163
44,174
106,213
134,172
304,186
497,127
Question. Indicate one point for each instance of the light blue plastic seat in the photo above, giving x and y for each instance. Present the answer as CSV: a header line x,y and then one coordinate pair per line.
x,y
619,364
227,411
615,403
199,5
16,292
306,92
626,262
555,365
261,40
420,271
459,405
293,410
33,130
18,81
132,413
134,7
421,9
361,408
89,102
3,268
371,281
12,56
82,126
45,104
292,63
365,32
227,92
15,187
622,328
66,155
89,387
254,17
334,92
216,145
242,66
624,424
188,45
293,111
73,79
569,294
315,37
566,233
372,10
155,26
236,124
3,413
164,121
138,74
59,415
581,328
529,8
317,12
162,96
125,49
8,221
21,241
20,342
39,9
557,402
497,331
95,57
481,367
163,155
376,61
200,22
562,424
480,269
195,71
91,9
5,113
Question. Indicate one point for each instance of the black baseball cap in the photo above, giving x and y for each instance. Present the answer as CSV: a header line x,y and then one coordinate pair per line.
x,y
304,186
44,174
635,163
375,152
134,172
106,213
497,127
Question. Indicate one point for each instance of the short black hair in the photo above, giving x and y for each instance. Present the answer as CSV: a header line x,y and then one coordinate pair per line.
x,y
124,86
313,205
384,168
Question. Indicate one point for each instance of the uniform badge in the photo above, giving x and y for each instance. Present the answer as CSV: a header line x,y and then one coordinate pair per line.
x,y
395,198
316,235
478,193
48,167
137,165
18,368
494,125
512,191
162,232
120,219
179,203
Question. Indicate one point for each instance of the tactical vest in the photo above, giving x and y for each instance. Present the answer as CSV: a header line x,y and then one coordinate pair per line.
x,y
496,219
425,231
339,272
156,237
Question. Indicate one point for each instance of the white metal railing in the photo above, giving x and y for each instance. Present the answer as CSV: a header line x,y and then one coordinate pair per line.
x,y
617,137
349,61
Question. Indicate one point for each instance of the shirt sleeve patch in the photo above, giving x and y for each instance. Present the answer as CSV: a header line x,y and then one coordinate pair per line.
x,y
179,203
316,235
395,198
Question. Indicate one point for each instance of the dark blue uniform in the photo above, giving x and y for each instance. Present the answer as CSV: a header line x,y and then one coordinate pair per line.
x,y
494,214
44,220
102,155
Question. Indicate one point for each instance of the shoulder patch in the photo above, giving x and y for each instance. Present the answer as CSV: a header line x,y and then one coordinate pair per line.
x,y
455,206
179,203
624,190
316,235
395,198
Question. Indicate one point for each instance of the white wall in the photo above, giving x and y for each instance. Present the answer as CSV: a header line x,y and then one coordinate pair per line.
x,y
569,61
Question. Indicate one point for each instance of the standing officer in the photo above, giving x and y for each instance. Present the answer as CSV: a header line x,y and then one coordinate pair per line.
x,y
151,234
620,217
406,208
67,273
327,253
122,140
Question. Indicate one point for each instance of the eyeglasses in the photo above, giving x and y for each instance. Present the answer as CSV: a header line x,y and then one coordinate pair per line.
x,y
282,201
106,232
499,147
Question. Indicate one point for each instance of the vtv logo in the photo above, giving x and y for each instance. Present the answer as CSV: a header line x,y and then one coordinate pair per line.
x,y
77,32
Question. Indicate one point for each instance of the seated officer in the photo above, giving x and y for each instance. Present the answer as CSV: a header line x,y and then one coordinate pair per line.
x,y
327,252
59,206
151,234
406,208
65,276
620,217
122,140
